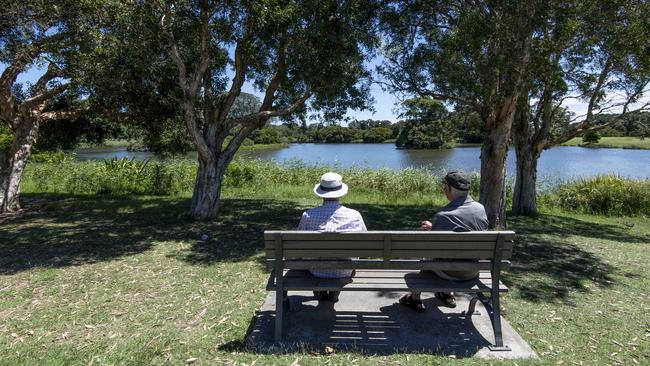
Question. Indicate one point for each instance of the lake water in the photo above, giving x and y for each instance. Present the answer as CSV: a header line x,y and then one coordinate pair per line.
x,y
563,162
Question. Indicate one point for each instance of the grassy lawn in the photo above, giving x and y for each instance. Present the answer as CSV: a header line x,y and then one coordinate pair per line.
x,y
614,142
125,280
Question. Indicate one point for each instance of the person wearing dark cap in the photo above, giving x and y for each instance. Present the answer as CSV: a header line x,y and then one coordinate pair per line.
x,y
461,214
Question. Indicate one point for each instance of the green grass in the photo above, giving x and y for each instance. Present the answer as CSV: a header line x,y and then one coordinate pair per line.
x,y
111,143
125,280
58,173
256,147
613,142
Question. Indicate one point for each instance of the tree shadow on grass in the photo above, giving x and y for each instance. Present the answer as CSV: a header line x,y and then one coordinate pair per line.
x,y
548,265
69,230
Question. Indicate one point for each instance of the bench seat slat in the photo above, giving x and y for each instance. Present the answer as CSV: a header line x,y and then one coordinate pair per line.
x,y
331,253
378,244
395,253
379,274
393,264
395,235
448,253
448,245
327,244
399,281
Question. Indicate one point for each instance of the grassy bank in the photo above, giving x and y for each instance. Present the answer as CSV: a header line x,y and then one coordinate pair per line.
x,y
613,142
608,195
124,280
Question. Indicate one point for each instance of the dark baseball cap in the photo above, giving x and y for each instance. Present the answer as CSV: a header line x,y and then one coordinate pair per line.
x,y
458,180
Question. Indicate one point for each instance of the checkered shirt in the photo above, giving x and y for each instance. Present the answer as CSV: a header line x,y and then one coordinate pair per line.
x,y
331,217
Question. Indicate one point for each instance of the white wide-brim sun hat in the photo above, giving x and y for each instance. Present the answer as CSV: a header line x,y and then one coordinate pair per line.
x,y
331,186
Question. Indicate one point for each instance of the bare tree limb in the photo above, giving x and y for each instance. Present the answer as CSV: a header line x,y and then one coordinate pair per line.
x,y
238,79
205,48
582,129
7,80
597,89
255,118
40,99
189,91
235,143
165,23
269,96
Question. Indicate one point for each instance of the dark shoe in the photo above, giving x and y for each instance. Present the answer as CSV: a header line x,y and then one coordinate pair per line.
x,y
447,298
321,295
333,296
415,305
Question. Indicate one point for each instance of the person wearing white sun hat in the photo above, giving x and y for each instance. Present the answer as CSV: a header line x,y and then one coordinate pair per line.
x,y
331,216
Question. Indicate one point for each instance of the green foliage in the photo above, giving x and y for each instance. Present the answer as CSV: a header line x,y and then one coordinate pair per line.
x,y
591,137
428,125
52,157
377,134
334,134
609,195
266,136
468,124
67,134
129,166
6,136
167,136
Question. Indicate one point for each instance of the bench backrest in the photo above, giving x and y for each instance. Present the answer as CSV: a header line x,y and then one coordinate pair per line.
x,y
388,249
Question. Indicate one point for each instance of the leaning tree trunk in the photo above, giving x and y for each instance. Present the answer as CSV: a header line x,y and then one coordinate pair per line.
x,y
207,190
13,164
492,191
524,200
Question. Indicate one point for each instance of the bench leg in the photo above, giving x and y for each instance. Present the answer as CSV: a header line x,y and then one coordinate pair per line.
x,y
496,324
279,312
471,310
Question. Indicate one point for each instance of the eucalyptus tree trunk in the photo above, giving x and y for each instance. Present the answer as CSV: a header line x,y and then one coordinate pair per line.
x,y
492,191
14,162
524,199
529,136
207,190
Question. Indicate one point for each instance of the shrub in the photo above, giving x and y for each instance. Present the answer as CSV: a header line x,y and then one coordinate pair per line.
x,y
591,137
53,157
605,195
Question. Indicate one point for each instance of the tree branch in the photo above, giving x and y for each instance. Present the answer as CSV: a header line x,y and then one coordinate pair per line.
x,y
165,23
269,96
60,115
40,99
581,127
236,142
599,85
189,91
257,118
238,79
42,95
205,49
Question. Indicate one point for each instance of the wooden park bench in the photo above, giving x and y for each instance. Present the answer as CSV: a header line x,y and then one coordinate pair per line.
x,y
391,261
